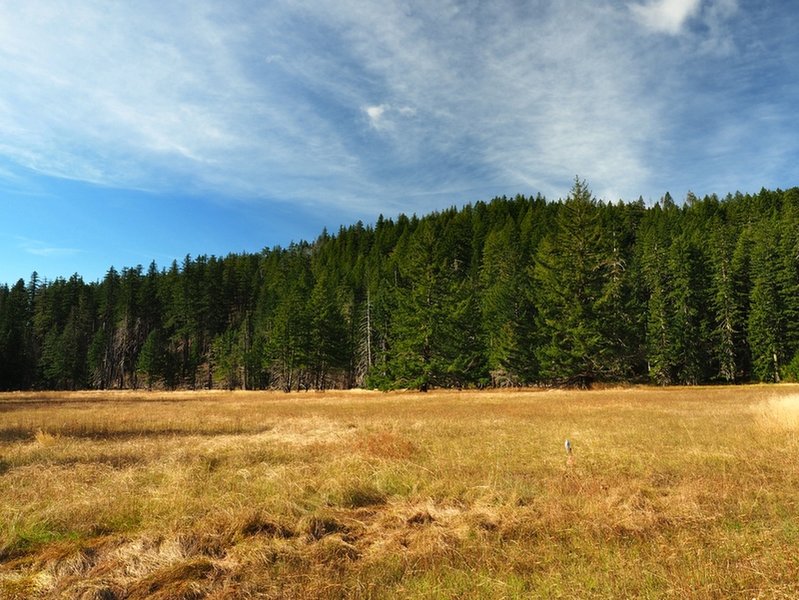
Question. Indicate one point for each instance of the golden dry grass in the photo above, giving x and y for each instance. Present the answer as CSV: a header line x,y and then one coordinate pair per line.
x,y
672,493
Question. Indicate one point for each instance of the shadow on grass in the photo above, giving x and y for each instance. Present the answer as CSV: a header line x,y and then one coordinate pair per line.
x,y
18,434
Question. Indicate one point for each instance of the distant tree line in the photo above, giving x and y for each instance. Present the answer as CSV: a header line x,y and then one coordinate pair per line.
x,y
511,292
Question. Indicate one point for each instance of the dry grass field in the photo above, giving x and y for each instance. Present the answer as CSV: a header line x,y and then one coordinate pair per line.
x,y
671,493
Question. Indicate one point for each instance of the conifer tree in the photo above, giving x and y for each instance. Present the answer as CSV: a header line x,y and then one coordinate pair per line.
x,y
506,311
289,342
434,339
617,307
727,322
15,338
152,361
766,319
687,335
328,332
570,272
227,358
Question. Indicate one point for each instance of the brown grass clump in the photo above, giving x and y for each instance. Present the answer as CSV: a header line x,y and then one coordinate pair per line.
x,y
45,439
188,580
682,492
386,444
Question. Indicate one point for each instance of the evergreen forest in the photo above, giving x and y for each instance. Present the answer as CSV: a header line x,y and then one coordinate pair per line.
x,y
512,292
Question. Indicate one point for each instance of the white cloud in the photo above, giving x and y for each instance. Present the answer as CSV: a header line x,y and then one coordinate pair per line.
x,y
382,117
509,109
665,16
339,102
375,114
43,249
153,97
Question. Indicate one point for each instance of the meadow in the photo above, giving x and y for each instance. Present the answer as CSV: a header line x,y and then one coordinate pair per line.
x,y
670,493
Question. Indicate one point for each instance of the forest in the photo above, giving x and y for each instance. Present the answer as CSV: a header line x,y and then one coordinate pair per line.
x,y
513,292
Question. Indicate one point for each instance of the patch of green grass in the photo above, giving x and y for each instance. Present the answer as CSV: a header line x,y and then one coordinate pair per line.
x,y
450,582
27,538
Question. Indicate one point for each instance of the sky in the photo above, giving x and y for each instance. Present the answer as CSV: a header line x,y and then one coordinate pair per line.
x,y
133,132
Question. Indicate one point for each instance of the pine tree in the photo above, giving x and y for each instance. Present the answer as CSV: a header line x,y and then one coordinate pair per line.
x,y
418,295
289,340
328,332
766,319
662,351
727,322
788,278
15,338
687,335
103,359
617,307
527,290
505,307
434,338
742,295
227,358
152,361
570,270
63,321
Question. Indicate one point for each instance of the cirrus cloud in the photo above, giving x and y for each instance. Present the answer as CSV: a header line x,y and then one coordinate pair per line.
x,y
665,16
334,103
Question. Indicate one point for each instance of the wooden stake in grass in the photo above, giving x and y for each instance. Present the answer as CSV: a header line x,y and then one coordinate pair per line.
x,y
569,453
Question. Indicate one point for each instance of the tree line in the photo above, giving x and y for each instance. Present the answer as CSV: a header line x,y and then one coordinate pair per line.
x,y
515,291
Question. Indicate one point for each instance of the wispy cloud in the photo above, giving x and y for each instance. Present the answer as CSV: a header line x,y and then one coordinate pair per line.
x,y
524,107
719,40
665,16
44,249
375,114
362,106
383,117
149,97
672,17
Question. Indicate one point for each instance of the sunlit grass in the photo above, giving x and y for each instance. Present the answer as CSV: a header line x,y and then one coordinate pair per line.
x,y
685,492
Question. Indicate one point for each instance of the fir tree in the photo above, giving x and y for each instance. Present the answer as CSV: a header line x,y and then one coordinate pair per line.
x,y
766,320
570,271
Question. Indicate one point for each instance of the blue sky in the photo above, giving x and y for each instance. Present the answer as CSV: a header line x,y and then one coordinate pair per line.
x,y
139,131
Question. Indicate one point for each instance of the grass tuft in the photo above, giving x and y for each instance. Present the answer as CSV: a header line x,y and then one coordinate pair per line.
x,y
188,580
387,444
318,527
43,438
258,524
422,517
359,495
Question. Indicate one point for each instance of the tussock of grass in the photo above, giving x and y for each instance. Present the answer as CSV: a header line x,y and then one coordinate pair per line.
x,y
259,524
386,444
320,526
185,580
669,493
